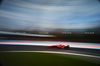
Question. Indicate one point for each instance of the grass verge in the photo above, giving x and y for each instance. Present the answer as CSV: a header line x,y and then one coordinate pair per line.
x,y
42,59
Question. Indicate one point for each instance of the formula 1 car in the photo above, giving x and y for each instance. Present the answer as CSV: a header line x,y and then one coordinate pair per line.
x,y
60,46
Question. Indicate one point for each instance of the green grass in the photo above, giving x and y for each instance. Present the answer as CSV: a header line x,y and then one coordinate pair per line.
x,y
42,59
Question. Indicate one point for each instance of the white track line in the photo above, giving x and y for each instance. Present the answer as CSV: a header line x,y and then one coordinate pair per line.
x,y
57,52
49,44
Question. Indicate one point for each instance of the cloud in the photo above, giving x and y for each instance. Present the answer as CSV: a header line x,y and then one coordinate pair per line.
x,y
44,14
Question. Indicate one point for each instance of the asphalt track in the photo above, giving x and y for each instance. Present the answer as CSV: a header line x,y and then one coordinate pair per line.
x,y
95,52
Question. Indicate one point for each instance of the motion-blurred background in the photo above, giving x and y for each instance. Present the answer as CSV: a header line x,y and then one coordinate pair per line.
x,y
58,20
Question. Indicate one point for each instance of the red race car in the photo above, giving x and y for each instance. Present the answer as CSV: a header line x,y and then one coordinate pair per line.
x,y
60,46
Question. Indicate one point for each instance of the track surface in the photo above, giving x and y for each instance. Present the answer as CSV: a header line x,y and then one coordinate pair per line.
x,y
45,48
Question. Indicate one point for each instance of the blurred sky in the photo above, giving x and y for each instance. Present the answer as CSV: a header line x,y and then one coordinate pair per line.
x,y
42,14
